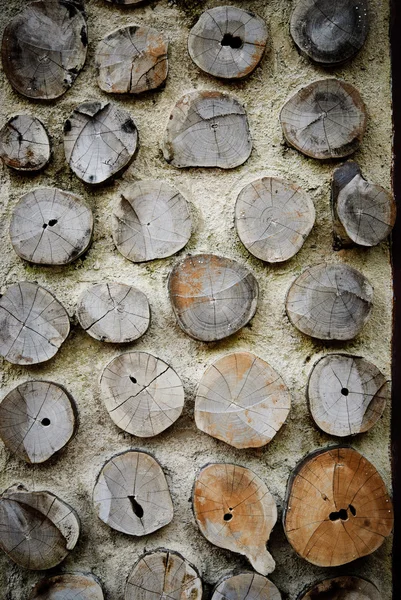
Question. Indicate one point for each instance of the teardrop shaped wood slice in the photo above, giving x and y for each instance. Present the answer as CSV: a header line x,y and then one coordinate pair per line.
x,y
142,393
212,296
37,418
342,588
242,401
326,119
37,529
131,494
207,129
151,220
337,507
24,143
235,510
330,33
273,218
33,324
69,586
163,574
51,227
44,48
246,586
227,42
330,302
100,140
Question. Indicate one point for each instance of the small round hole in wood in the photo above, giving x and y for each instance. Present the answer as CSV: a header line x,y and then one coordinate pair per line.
x,y
342,588
245,586
24,143
234,41
68,586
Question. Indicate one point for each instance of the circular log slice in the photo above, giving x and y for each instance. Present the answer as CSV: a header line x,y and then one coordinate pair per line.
x,y
151,220
337,507
33,324
163,574
326,119
330,33
207,129
346,587
37,418
235,510
44,48
242,401
100,139
246,586
212,296
330,302
51,227
273,218
227,42
142,393
24,143
131,494
69,586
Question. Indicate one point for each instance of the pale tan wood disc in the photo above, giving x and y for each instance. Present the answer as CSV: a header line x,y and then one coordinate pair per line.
x,y
246,586
337,507
346,587
235,510
24,143
69,586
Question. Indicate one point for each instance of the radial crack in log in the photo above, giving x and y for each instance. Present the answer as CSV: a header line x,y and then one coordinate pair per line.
x,y
69,586
24,143
245,586
342,588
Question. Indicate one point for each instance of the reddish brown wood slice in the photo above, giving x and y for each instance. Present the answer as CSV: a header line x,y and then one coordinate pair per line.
x,y
346,587
24,143
246,586
69,586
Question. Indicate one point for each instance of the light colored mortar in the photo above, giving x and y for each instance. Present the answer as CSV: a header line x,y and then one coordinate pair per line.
x,y
182,450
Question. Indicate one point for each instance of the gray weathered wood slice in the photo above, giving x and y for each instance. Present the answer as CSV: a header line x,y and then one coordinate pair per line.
x,y
330,33
326,119
51,227
337,507
24,143
69,586
273,218
330,302
235,510
227,42
131,494
346,587
100,139
132,60
37,418
363,213
242,401
37,529
212,296
245,586
163,574
33,324
207,129
44,48
142,393
113,312
151,220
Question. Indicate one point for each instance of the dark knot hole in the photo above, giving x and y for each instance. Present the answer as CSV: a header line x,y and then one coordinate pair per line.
x,y
51,223
136,507
342,514
345,391
234,41
228,516
132,379
45,422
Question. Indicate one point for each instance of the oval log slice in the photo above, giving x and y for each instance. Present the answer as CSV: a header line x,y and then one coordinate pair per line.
x,y
212,296
100,140
326,119
131,494
227,42
246,586
33,324
24,143
235,510
151,220
330,302
346,587
273,218
69,586
337,507
51,227
44,48
242,401
207,129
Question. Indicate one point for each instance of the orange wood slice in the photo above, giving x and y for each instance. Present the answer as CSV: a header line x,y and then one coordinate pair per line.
x,y
246,586
69,586
346,587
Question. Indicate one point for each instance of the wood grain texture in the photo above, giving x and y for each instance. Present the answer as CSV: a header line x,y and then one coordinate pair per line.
x,y
207,129
24,143
242,401
337,507
227,42
142,393
245,586
150,220
346,587
33,324
326,119
44,48
273,218
330,302
100,140
235,510
212,296
37,419
131,494
51,227
69,586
